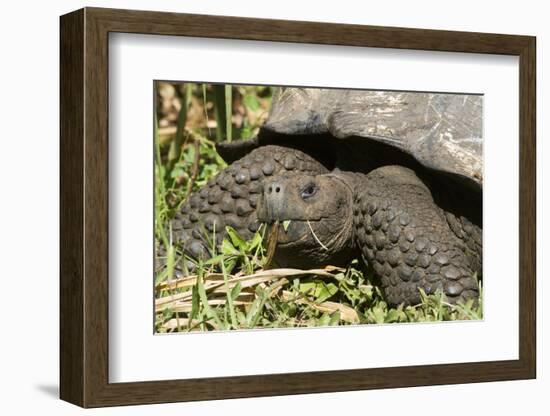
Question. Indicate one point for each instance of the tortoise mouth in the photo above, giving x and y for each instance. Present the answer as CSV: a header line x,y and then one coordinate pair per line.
x,y
302,246
285,240
294,232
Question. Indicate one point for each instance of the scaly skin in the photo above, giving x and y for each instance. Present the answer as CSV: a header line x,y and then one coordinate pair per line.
x,y
410,242
232,196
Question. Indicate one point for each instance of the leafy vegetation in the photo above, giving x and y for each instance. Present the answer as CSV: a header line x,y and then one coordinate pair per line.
x,y
236,289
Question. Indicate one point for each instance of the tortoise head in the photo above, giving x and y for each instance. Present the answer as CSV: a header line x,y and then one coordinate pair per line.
x,y
314,217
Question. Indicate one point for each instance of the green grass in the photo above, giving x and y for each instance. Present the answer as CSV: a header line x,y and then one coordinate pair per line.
x,y
236,289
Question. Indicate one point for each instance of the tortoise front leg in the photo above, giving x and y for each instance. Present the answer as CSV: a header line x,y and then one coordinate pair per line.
x,y
232,196
407,240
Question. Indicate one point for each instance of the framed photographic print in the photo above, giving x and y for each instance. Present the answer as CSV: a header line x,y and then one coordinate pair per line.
x,y
257,207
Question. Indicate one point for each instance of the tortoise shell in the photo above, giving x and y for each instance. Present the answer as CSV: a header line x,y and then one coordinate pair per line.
x,y
441,131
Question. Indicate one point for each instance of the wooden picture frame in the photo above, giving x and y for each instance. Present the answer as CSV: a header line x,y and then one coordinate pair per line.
x,y
84,207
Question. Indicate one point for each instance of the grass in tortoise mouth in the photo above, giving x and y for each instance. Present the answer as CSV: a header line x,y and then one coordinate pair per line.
x,y
274,232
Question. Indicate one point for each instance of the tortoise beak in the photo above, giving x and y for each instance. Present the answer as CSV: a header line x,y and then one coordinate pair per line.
x,y
273,201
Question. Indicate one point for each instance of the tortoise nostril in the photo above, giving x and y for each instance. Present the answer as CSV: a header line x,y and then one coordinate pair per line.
x,y
274,189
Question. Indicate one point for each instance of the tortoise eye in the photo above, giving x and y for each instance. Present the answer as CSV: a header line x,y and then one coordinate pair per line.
x,y
309,191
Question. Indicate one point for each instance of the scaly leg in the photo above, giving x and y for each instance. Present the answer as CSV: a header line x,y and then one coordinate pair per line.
x,y
410,241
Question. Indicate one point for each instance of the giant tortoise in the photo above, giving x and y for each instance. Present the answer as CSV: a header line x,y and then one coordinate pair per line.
x,y
392,178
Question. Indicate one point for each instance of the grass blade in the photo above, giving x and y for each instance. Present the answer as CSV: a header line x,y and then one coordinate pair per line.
x,y
182,120
228,112
211,313
205,108
219,111
229,297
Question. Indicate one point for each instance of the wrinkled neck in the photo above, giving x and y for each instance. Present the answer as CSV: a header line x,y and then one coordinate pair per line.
x,y
354,183
344,239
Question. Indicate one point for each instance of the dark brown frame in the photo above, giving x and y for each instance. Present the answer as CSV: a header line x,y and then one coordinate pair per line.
x,y
84,207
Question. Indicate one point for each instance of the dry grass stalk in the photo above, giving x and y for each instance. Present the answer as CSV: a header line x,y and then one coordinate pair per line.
x,y
246,281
